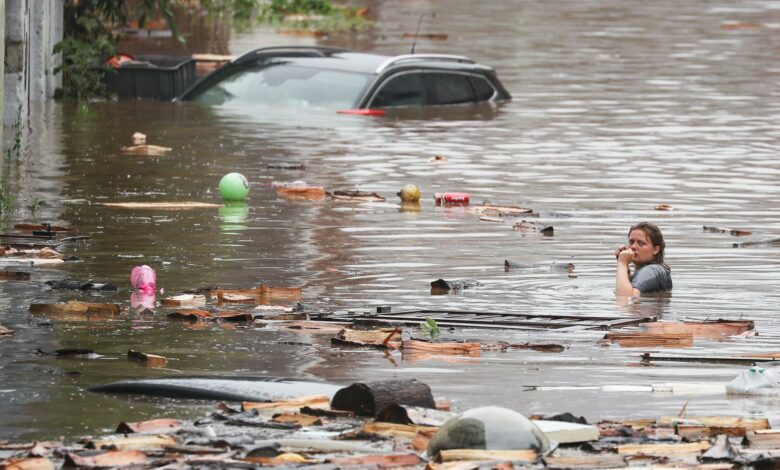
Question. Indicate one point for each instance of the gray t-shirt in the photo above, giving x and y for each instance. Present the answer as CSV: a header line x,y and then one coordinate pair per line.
x,y
652,278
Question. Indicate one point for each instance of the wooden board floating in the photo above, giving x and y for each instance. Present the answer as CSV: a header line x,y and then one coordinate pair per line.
x,y
312,401
260,295
146,149
149,360
494,320
453,455
184,205
715,329
712,359
748,424
457,349
731,231
650,340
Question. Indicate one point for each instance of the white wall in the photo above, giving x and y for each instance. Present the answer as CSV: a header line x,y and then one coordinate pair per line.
x,y
32,28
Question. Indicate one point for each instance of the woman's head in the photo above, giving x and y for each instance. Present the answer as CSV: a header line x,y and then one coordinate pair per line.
x,y
647,243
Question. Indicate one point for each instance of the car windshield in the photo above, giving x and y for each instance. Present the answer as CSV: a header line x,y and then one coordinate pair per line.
x,y
289,86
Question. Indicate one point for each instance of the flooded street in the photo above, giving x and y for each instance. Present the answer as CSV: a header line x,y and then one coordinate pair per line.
x,y
617,107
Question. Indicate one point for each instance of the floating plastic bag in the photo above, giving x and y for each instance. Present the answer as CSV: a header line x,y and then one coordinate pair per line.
x,y
755,381
144,279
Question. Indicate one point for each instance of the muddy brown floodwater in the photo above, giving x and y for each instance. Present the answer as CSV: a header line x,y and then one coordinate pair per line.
x,y
618,106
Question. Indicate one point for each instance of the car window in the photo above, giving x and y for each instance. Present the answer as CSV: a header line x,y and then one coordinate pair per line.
x,y
401,90
483,88
449,88
289,86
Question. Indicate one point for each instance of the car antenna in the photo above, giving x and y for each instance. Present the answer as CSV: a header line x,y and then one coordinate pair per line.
x,y
417,31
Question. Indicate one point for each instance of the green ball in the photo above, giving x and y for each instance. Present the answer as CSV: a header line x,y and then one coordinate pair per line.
x,y
234,187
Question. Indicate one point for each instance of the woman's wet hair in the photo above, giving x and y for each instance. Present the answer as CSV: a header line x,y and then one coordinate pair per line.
x,y
656,238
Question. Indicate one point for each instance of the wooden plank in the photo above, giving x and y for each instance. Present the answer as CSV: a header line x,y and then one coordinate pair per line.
x,y
749,424
585,461
714,359
6,331
76,311
379,461
714,329
650,340
149,360
110,459
151,426
384,337
311,401
134,442
485,454
662,450
27,463
297,418
184,205
398,430
692,432
461,349
183,300
768,438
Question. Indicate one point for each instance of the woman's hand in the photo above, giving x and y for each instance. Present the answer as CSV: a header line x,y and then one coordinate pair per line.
x,y
625,256
620,248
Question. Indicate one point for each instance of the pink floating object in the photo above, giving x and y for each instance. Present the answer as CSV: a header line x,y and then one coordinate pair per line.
x,y
144,279
443,199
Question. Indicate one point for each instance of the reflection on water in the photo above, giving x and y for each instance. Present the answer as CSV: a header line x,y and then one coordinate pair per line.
x,y
624,107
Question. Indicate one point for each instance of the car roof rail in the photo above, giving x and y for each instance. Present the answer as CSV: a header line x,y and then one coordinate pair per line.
x,y
291,51
415,57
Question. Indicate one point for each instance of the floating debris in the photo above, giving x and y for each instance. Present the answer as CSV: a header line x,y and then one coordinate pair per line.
x,y
440,286
146,149
650,340
730,231
664,207
193,300
183,205
149,360
356,196
709,329
533,226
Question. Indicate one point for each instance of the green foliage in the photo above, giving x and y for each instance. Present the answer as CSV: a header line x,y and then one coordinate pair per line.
x,y
319,15
88,40
35,203
430,328
83,67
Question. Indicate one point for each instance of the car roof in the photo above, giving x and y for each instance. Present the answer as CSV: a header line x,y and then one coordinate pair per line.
x,y
360,62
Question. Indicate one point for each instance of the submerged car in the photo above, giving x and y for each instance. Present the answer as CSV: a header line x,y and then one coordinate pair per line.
x,y
340,79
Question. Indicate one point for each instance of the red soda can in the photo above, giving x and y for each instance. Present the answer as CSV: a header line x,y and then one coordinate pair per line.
x,y
451,199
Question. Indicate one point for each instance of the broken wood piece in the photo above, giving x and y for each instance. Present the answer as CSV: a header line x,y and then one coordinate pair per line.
x,y
152,441
550,348
404,414
440,286
313,327
356,196
693,432
184,205
146,149
650,340
297,418
15,275
370,398
438,159
326,413
585,461
398,430
749,424
261,295
664,207
308,193
771,241
452,455
499,211
730,231
190,314
378,461
533,226
233,316
311,401
75,310
769,438
27,463
662,450
184,300
449,348
149,360
744,360
152,426
281,460
564,432
111,459
709,329
382,338
6,331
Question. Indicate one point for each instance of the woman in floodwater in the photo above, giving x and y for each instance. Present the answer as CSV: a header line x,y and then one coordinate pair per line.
x,y
646,250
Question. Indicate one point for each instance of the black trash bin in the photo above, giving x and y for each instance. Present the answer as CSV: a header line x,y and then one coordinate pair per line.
x,y
152,77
